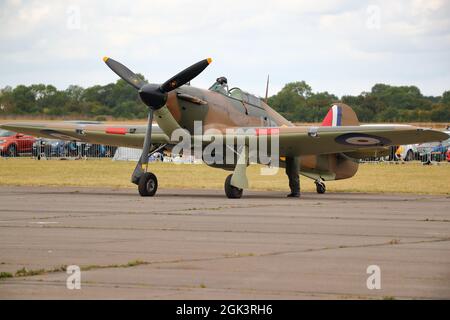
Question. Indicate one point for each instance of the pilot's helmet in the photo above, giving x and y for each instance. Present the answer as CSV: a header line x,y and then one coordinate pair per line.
x,y
222,80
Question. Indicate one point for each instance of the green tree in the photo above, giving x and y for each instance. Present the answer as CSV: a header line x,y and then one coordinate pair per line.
x,y
440,113
446,98
291,100
296,101
24,100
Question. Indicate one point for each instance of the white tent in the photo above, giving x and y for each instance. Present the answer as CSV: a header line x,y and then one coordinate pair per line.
x,y
127,154
132,154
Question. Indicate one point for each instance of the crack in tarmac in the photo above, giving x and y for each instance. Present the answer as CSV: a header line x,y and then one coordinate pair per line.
x,y
103,213
245,255
191,288
44,226
72,214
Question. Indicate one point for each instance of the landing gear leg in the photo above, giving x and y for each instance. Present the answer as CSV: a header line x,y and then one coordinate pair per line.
x,y
231,191
320,186
146,181
236,182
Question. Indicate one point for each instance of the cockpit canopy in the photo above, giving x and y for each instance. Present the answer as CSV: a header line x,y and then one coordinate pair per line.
x,y
246,97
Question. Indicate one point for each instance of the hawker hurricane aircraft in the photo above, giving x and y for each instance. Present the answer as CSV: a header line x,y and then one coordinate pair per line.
x,y
327,152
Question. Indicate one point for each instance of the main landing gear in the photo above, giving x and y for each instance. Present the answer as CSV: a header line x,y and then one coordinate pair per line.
x,y
155,97
148,184
320,186
236,183
232,192
146,181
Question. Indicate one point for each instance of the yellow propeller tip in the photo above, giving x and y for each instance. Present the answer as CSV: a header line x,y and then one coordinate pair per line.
x,y
105,59
209,60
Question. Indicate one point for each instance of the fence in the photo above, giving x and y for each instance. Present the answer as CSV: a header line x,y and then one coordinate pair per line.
x,y
58,149
424,155
46,148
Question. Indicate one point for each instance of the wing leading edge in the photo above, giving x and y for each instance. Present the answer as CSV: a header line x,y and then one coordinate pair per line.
x,y
299,141
293,141
114,135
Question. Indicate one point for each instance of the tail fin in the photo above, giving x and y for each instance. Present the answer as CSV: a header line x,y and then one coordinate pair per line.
x,y
340,114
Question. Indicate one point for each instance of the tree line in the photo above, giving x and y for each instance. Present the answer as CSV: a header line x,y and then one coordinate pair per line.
x,y
296,101
384,103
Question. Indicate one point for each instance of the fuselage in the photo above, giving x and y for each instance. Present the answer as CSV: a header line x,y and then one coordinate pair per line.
x,y
240,109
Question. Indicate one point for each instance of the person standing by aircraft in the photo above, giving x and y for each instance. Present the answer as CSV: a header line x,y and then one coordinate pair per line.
x,y
292,170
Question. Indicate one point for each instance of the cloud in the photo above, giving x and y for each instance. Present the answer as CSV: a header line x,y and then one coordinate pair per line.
x,y
339,46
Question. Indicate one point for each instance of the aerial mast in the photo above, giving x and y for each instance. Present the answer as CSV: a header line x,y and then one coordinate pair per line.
x,y
267,89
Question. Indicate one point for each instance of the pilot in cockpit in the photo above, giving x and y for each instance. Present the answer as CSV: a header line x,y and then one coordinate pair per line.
x,y
221,85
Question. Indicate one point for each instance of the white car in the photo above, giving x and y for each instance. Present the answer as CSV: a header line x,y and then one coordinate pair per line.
x,y
419,151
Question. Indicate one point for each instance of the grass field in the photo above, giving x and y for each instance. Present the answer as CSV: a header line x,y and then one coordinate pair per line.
x,y
384,178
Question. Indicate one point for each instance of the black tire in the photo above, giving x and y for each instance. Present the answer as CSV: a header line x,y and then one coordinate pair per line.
x,y
320,187
12,151
148,184
231,191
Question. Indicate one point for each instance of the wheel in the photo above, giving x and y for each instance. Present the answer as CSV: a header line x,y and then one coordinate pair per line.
x,y
231,191
12,151
320,187
148,184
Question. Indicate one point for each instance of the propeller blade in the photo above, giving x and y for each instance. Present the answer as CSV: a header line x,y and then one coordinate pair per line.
x,y
125,73
185,76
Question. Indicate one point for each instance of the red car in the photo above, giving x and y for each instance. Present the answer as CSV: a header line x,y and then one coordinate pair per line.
x,y
11,143
448,155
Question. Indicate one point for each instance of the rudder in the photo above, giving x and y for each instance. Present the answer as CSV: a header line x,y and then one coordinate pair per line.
x,y
340,114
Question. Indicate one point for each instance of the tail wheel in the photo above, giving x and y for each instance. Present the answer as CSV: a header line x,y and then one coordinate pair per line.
x,y
148,184
320,187
12,150
231,191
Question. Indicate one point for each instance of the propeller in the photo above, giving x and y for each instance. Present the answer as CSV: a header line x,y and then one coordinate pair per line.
x,y
154,96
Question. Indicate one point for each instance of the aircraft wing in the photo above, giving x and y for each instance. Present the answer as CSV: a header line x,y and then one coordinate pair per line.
x,y
293,141
115,135
298,141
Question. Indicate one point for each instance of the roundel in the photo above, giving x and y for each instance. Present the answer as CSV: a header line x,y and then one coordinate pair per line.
x,y
58,135
361,139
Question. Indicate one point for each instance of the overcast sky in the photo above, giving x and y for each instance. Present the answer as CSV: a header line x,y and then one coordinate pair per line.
x,y
343,47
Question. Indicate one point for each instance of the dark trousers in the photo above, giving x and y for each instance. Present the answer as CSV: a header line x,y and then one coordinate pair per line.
x,y
292,169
